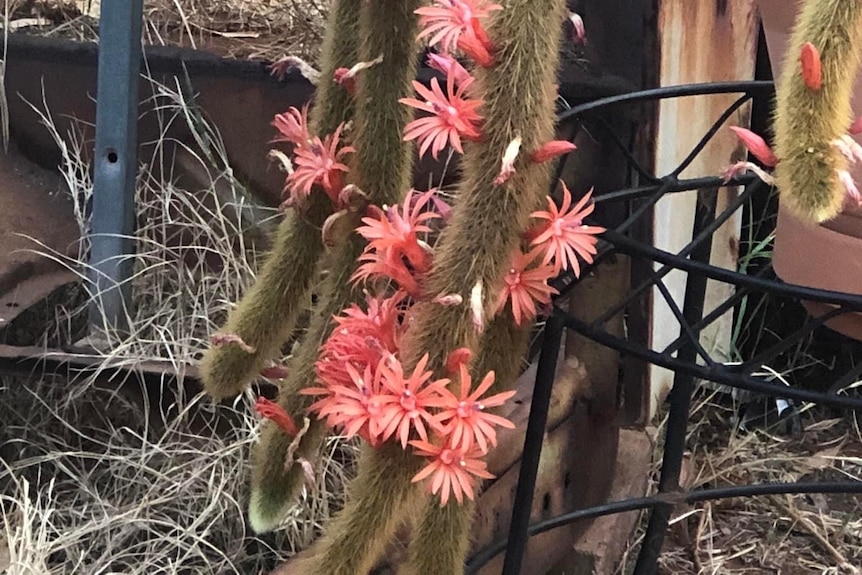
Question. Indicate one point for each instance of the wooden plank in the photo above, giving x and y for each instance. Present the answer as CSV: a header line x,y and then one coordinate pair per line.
x,y
601,547
703,41
579,459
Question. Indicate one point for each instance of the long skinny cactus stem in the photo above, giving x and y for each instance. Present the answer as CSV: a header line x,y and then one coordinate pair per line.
x,y
528,35
382,168
812,115
441,539
472,256
266,316
274,483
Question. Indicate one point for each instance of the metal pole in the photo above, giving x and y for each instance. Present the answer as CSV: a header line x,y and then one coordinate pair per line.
x,y
115,163
680,397
523,504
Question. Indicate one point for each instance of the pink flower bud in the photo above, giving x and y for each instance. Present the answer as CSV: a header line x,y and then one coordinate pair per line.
x,y
552,150
756,145
811,72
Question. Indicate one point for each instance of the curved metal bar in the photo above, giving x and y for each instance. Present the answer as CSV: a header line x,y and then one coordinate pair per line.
x,y
481,558
632,247
683,90
713,130
719,373
681,355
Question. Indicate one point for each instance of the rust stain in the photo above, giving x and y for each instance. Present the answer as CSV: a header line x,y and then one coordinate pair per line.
x,y
701,41
733,244
706,42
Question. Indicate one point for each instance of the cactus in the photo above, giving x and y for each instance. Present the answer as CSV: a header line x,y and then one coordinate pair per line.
x,y
458,308
441,538
416,363
382,165
813,112
266,316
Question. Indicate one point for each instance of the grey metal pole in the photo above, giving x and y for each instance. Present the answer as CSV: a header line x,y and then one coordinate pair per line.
x,y
115,163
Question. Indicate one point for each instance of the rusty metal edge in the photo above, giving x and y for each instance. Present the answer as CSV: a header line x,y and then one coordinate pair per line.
x,y
30,359
36,287
159,59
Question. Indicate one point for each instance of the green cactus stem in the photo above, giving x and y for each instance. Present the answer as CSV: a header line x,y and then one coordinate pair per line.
x,y
266,316
471,258
808,121
381,168
441,539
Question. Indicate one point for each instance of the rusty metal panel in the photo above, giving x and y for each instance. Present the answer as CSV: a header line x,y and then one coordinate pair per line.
x,y
35,216
702,41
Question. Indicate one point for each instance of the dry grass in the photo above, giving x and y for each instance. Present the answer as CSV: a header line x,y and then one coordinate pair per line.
x,y
786,535
98,480
104,483
260,29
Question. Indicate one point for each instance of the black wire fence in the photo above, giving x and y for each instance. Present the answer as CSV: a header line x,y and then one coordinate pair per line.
x,y
685,356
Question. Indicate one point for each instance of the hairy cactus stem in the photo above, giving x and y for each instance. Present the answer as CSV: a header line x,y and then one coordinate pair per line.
x,y
266,315
381,167
813,108
474,249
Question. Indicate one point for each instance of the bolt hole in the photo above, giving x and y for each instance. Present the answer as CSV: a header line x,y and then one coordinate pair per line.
x,y
113,157
11,304
546,502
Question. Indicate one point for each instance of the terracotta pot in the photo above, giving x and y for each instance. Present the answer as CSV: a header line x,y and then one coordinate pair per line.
x,y
829,255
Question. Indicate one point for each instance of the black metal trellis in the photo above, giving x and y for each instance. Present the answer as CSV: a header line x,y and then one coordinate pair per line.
x,y
685,356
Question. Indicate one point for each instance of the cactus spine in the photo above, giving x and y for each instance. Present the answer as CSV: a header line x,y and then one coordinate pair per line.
x,y
382,167
266,316
810,118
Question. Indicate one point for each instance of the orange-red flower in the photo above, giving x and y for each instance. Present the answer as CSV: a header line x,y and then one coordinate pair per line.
x,y
319,163
466,422
360,339
565,237
446,21
412,397
394,229
275,413
551,150
380,321
292,127
478,46
452,117
525,287
356,407
452,470
756,145
387,264
394,249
